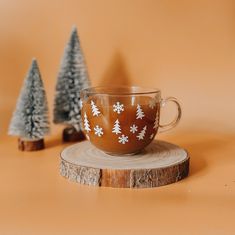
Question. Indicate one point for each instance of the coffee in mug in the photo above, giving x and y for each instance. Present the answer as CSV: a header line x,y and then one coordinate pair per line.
x,y
123,120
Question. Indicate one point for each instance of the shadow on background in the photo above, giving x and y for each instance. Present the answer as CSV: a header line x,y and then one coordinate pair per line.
x,y
116,73
205,148
5,118
54,141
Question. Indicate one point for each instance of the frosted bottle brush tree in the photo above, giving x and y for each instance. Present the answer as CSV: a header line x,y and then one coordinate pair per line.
x,y
72,78
30,119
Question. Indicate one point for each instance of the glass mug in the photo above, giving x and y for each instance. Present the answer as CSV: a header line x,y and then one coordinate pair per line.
x,y
123,120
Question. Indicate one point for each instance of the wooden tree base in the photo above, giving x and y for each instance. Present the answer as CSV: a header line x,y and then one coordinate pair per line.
x,y
70,134
159,164
26,145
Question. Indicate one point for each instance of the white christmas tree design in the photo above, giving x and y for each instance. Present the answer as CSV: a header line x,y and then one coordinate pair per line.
x,y
151,136
98,130
139,113
133,128
118,107
116,128
94,109
86,123
156,121
141,135
123,139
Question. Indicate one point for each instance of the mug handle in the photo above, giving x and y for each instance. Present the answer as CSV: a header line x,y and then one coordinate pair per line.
x,y
176,120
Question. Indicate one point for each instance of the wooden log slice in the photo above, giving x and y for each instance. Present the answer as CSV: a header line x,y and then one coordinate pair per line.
x,y
159,164
30,145
70,134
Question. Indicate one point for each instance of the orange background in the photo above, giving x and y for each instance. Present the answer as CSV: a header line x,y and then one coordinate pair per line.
x,y
185,48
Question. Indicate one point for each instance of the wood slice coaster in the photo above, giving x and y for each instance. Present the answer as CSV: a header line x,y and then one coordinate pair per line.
x,y
159,164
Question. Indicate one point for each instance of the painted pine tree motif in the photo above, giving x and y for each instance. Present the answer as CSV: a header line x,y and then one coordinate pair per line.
x,y
72,78
141,135
30,119
139,113
94,109
116,128
86,123
156,122
151,136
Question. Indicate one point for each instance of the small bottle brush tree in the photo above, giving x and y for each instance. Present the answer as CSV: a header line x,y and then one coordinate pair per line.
x,y
30,119
72,78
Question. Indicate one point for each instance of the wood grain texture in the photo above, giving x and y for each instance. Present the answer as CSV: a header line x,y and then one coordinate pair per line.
x,y
26,145
159,164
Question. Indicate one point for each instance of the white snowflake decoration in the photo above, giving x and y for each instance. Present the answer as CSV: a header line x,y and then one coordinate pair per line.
x,y
116,128
98,130
141,135
133,128
123,139
139,113
118,107
94,109
152,103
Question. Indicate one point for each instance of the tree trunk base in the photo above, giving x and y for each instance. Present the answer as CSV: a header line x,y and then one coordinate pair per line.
x,y
27,145
159,164
70,134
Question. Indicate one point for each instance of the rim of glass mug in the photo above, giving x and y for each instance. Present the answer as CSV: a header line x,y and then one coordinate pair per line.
x,y
135,90
119,90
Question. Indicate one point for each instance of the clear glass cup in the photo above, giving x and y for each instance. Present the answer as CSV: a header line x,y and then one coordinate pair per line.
x,y
123,120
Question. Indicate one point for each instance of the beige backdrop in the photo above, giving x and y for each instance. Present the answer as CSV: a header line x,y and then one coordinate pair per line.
x,y
186,48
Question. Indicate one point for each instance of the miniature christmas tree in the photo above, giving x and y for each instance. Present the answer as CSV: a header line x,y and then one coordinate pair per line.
x,y
141,135
71,80
139,112
94,109
86,123
30,119
116,128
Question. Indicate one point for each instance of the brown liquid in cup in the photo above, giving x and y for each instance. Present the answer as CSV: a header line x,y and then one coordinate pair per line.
x,y
99,112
